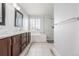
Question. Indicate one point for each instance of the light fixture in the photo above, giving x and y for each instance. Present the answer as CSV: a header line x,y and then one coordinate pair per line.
x,y
16,6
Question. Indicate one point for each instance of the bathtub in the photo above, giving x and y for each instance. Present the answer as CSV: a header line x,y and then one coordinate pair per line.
x,y
38,37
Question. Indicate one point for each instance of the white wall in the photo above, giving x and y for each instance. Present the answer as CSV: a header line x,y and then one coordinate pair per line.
x,y
76,45
64,11
66,35
48,30
10,19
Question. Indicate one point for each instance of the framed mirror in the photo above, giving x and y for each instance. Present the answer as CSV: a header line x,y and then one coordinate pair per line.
x,y
18,19
2,13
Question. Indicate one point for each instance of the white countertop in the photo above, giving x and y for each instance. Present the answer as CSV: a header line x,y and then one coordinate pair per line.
x,y
8,34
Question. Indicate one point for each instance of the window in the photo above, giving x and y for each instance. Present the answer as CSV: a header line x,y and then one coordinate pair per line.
x,y
34,24
38,24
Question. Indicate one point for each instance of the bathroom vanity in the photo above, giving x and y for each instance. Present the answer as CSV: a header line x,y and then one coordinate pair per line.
x,y
13,45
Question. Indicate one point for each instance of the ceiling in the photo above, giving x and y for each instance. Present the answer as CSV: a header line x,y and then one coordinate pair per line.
x,y
42,9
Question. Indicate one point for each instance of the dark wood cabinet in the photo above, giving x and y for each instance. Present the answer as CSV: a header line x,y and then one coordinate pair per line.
x,y
5,47
14,45
24,41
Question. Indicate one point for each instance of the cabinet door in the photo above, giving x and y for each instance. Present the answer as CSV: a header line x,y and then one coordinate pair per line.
x,y
23,41
24,38
5,47
16,45
16,50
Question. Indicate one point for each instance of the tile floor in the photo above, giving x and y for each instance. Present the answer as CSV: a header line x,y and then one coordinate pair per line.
x,y
40,49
